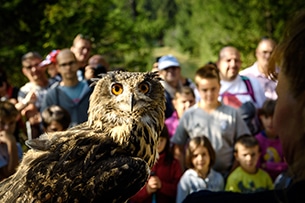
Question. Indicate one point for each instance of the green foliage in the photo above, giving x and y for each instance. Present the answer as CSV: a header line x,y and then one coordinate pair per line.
x,y
129,32
203,27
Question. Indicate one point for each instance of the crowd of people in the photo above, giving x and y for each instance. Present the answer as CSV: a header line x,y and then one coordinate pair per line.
x,y
55,97
223,132
221,125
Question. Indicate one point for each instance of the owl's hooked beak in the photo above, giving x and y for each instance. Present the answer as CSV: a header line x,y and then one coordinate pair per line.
x,y
132,101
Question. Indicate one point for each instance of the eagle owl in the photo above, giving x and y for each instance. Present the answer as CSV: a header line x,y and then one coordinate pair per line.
x,y
107,158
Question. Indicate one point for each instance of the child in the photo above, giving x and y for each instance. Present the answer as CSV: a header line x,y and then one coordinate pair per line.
x,y
10,150
165,174
200,157
55,118
220,123
272,158
247,177
183,99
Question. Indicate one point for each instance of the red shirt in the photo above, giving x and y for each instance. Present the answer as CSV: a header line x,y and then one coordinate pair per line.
x,y
169,176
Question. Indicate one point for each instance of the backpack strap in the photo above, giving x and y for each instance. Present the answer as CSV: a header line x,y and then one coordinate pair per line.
x,y
249,86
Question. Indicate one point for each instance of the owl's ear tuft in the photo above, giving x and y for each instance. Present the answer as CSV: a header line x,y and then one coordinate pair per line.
x,y
38,144
101,75
155,75
116,71
93,81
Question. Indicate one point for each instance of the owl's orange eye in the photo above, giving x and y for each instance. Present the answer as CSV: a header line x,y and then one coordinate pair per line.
x,y
144,87
117,89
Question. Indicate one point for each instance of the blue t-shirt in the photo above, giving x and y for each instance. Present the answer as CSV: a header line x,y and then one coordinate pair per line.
x,y
75,92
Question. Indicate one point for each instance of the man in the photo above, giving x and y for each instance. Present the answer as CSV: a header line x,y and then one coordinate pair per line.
x,y
97,64
70,93
170,71
81,48
259,69
38,80
245,94
31,94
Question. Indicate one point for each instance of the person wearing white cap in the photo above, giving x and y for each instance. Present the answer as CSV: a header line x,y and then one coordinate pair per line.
x,y
170,72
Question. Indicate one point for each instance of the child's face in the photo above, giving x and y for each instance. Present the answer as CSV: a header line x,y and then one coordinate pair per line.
x,y
268,125
8,125
54,126
208,90
183,102
201,159
247,157
161,144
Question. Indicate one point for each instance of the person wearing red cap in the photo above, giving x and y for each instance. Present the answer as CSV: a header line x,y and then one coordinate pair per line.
x,y
50,64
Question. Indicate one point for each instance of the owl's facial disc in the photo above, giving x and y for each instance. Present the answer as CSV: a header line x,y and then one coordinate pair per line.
x,y
130,98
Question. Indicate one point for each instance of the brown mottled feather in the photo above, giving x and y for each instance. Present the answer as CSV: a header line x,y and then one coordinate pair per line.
x,y
107,158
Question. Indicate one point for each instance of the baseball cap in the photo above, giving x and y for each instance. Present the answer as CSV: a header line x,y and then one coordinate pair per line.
x,y
50,58
167,61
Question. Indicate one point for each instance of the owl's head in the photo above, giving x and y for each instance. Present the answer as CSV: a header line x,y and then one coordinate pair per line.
x,y
122,97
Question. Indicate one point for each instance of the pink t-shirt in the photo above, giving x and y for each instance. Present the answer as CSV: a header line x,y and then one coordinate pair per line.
x,y
172,123
272,158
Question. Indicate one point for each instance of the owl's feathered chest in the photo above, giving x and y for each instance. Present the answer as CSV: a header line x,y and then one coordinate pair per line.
x,y
138,138
137,133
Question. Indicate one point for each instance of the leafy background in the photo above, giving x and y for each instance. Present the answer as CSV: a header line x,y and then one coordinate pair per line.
x,y
132,33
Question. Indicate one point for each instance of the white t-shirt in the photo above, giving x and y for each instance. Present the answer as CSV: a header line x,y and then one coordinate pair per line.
x,y
239,88
267,84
